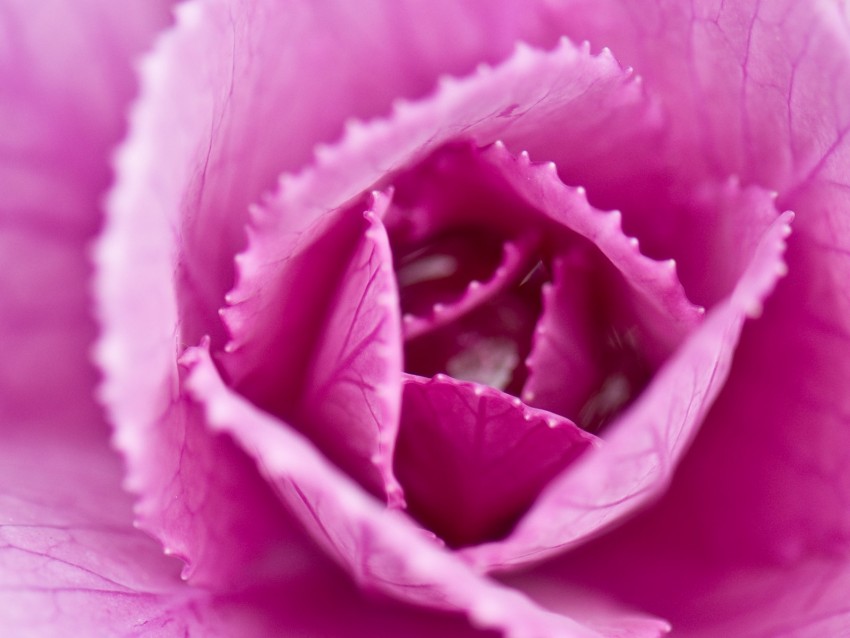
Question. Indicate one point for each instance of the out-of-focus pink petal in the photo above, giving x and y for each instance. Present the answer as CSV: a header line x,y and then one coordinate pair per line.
x,y
65,80
672,574
804,600
642,446
350,400
68,554
381,548
590,98
472,459
72,564
320,603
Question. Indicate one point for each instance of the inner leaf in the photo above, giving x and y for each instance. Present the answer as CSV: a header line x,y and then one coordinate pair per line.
x,y
487,345
473,459
514,288
440,270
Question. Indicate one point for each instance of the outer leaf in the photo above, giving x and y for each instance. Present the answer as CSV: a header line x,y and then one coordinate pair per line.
x,y
760,88
65,79
72,564
696,587
69,558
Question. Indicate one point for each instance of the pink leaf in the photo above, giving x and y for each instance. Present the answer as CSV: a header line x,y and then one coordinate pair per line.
x,y
472,459
65,78
351,398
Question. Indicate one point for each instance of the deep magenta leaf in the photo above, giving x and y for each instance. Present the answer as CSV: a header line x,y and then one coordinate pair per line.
x,y
472,459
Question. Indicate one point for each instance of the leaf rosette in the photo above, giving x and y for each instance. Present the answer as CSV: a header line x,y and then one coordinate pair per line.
x,y
469,332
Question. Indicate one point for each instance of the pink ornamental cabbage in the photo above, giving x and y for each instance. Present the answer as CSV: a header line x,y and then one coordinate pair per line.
x,y
425,319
